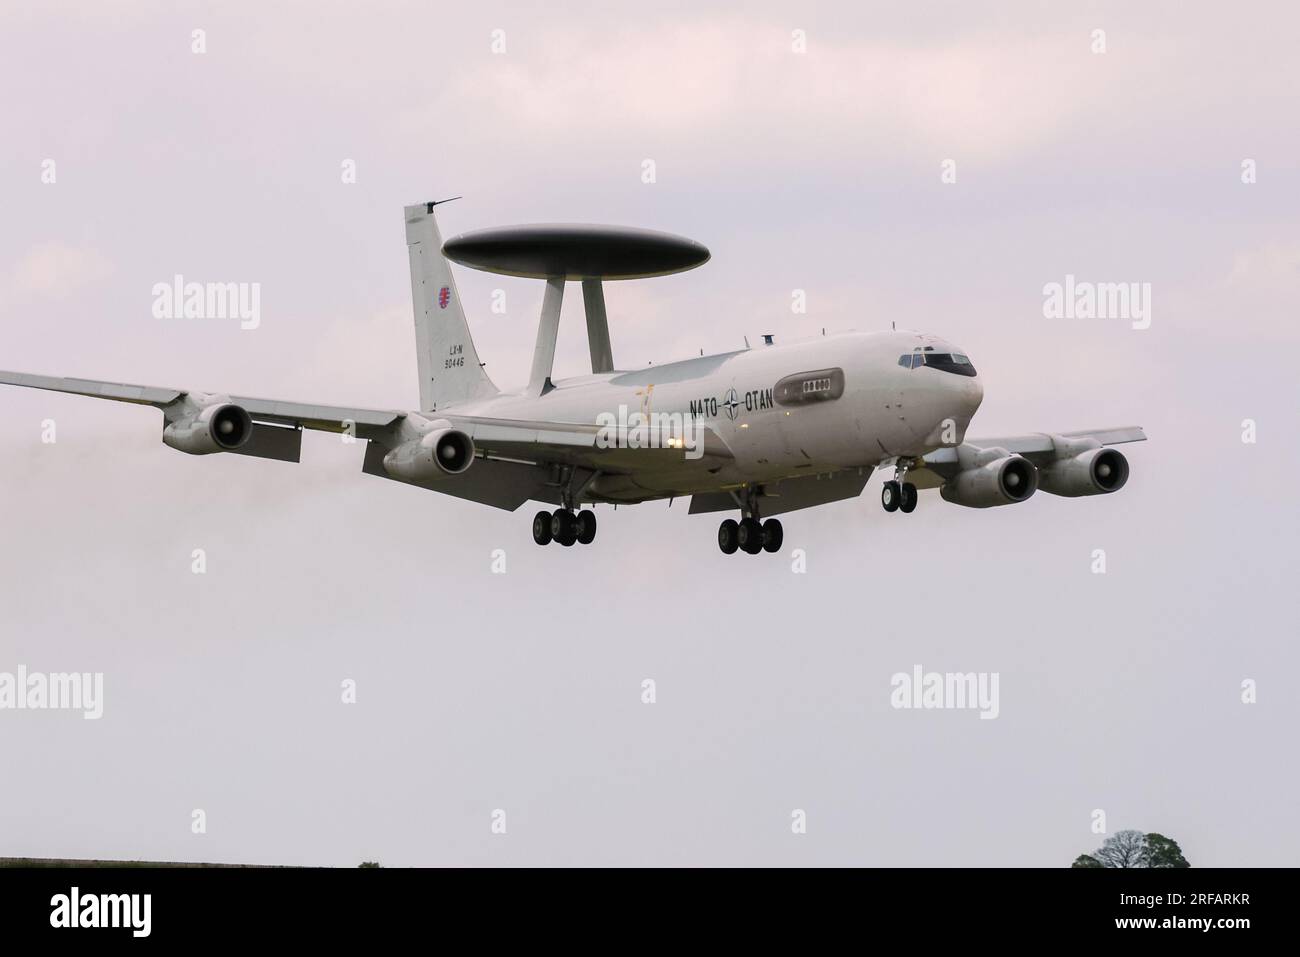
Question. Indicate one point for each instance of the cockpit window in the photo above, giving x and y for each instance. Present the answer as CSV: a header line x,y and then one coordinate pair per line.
x,y
953,362
950,362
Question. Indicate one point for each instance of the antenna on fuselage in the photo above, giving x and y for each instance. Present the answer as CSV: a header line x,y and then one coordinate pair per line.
x,y
560,254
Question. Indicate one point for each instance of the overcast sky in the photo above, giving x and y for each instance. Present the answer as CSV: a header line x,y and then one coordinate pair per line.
x,y
522,691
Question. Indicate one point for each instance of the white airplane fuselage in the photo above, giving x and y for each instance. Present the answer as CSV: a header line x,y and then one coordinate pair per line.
x,y
884,411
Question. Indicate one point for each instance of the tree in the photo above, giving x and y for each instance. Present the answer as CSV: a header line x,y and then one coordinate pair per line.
x,y
1123,849
1134,849
1164,852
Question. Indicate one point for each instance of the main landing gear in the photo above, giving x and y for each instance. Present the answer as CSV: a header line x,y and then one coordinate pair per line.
x,y
750,535
565,527
898,495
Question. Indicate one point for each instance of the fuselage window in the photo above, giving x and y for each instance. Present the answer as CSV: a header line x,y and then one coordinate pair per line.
x,y
819,386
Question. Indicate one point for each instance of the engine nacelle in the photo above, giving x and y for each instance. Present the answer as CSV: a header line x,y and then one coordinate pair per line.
x,y
439,452
219,427
1003,481
1095,471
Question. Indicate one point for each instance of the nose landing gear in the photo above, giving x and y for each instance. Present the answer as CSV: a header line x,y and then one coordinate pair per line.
x,y
898,495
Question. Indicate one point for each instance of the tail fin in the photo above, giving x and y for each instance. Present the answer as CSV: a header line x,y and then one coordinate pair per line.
x,y
448,362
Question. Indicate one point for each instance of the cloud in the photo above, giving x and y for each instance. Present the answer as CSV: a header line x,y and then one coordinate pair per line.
x,y
726,79
54,269
1267,268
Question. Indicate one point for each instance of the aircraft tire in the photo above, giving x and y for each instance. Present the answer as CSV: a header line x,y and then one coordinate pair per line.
x,y
773,536
542,528
749,536
727,536
586,527
889,496
907,501
564,527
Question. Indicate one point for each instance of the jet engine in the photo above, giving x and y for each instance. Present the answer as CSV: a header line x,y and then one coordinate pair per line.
x,y
439,452
1003,480
1094,471
217,427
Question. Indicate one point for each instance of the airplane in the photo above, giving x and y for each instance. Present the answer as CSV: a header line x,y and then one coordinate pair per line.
x,y
757,432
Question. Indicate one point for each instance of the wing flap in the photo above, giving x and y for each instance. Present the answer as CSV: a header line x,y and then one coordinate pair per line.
x,y
322,418
276,442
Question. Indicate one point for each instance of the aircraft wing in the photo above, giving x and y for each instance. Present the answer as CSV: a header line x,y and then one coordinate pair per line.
x,y
328,418
117,391
1038,447
276,423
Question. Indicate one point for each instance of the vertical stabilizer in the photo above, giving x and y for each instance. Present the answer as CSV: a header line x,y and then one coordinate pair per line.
x,y
448,362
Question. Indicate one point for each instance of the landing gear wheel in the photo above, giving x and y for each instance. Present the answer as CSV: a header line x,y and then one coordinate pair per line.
x,y
773,535
908,498
564,527
890,496
542,528
727,536
586,527
749,536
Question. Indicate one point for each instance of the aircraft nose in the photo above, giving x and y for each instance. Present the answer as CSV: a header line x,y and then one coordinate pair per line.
x,y
970,394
